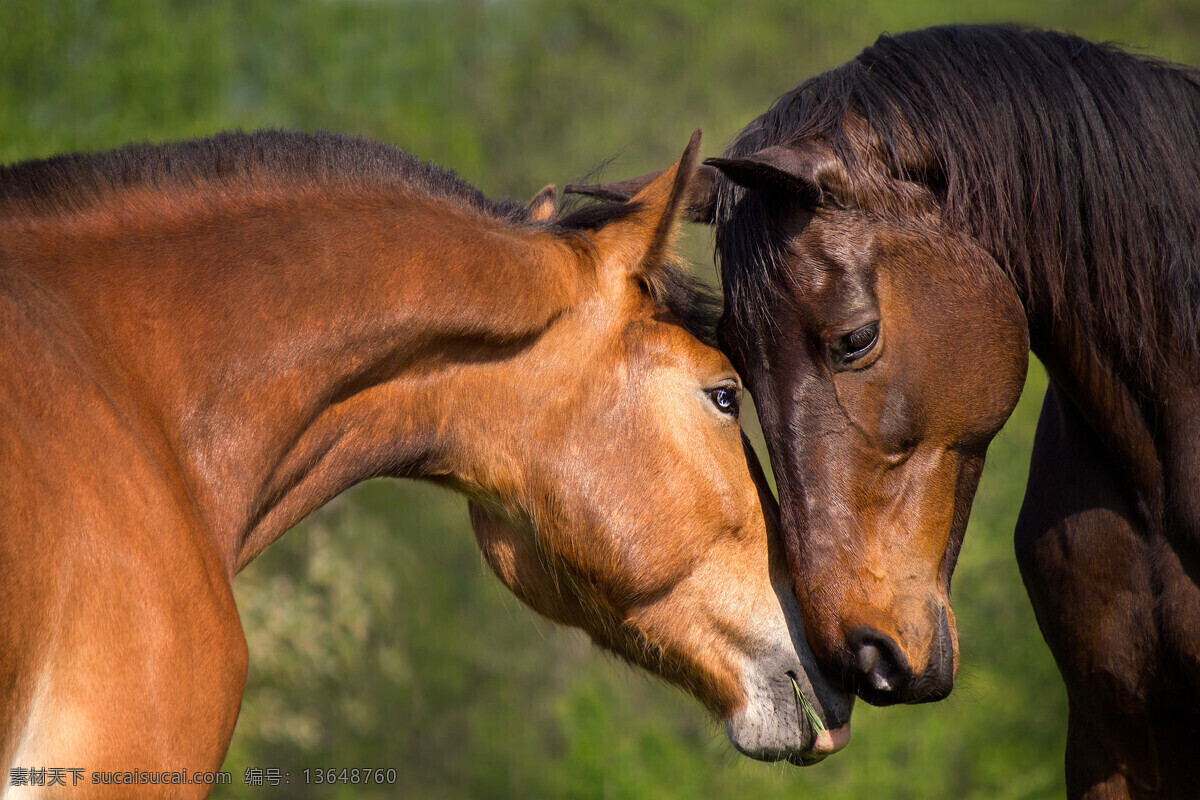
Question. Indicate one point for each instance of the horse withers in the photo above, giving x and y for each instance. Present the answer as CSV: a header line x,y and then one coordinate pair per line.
x,y
206,341
894,236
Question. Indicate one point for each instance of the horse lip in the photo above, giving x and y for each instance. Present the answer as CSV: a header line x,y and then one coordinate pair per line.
x,y
826,743
829,742
776,728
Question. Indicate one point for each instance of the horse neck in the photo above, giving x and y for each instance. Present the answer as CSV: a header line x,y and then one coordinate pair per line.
x,y
286,348
1149,426
1092,378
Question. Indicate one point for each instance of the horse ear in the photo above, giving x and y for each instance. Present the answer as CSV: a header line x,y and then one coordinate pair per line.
x,y
702,199
640,240
809,171
541,207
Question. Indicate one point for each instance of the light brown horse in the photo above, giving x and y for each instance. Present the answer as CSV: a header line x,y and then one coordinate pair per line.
x,y
204,342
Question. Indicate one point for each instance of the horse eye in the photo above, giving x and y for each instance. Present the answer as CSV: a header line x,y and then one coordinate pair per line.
x,y
858,342
725,398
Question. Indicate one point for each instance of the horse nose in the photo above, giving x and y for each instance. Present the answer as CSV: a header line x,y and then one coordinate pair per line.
x,y
881,667
884,676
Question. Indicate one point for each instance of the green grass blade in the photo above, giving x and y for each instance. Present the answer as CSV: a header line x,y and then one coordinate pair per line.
x,y
809,711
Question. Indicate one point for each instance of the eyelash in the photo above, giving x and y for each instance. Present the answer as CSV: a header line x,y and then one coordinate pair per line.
x,y
857,343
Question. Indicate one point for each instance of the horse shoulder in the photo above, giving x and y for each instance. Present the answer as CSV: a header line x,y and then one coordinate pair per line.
x,y
1179,556
1096,576
97,536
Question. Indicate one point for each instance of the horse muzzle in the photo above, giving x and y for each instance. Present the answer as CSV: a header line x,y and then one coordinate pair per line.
x,y
882,674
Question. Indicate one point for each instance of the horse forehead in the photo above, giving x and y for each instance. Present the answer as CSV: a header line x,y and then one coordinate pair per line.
x,y
828,278
853,251
828,248
660,341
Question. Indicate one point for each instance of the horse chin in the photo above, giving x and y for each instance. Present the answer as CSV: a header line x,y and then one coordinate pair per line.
x,y
773,725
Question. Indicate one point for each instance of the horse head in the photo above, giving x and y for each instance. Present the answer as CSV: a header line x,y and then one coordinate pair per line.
x,y
671,559
886,354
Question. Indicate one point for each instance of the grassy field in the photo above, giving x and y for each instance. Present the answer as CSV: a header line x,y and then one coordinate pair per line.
x,y
377,636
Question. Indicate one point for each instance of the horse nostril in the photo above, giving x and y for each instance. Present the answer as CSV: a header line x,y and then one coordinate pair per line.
x,y
881,665
871,666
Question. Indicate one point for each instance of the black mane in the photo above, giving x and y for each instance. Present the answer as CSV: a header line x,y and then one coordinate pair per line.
x,y
78,181
1076,164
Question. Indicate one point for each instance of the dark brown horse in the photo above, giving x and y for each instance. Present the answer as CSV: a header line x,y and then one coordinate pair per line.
x,y
206,341
894,236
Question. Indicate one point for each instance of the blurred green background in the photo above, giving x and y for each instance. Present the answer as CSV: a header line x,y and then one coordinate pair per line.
x,y
377,636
